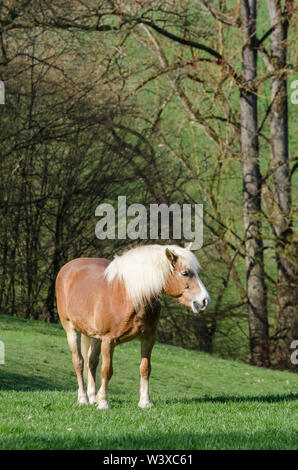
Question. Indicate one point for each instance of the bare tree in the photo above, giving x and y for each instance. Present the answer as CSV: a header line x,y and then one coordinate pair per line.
x,y
280,204
157,59
256,290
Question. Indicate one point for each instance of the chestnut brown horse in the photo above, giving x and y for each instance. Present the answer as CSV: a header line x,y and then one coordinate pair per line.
x,y
104,303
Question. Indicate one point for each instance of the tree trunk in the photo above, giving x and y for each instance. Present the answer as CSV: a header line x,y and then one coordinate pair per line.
x,y
286,247
256,289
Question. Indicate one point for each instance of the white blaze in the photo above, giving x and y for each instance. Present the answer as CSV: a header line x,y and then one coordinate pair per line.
x,y
204,295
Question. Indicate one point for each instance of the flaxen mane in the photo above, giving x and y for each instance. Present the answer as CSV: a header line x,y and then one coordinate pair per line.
x,y
145,270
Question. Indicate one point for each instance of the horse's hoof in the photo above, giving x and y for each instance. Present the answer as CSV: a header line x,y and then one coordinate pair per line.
x,y
103,405
145,404
92,400
83,400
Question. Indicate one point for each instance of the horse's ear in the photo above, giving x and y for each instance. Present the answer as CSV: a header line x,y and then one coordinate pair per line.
x,y
188,247
171,257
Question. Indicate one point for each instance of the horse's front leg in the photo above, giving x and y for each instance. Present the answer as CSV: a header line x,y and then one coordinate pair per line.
x,y
107,349
145,369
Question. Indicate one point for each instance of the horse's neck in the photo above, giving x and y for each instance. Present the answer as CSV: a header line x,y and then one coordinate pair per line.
x,y
118,291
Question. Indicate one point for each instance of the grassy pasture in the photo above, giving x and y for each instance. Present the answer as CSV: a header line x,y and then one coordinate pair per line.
x,y
201,401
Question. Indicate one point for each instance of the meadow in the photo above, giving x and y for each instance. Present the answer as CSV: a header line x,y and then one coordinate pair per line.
x,y
201,401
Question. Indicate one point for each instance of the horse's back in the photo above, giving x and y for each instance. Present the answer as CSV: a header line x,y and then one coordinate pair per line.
x,y
80,268
79,264
78,286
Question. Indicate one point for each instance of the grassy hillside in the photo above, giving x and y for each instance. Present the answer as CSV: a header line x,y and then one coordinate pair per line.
x,y
201,402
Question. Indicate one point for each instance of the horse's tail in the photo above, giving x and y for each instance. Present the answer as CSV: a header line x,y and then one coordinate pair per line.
x,y
85,344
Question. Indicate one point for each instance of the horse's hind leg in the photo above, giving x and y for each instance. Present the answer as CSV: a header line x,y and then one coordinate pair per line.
x,y
107,349
74,342
145,369
91,356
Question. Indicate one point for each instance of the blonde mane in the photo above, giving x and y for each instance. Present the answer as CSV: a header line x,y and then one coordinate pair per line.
x,y
145,270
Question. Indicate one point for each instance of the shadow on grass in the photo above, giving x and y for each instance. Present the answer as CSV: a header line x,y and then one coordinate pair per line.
x,y
234,399
163,401
28,383
19,382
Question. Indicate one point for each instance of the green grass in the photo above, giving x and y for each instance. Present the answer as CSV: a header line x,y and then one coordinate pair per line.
x,y
201,402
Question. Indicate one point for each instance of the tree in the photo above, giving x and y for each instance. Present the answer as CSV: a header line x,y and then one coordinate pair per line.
x,y
252,183
175,89
286,243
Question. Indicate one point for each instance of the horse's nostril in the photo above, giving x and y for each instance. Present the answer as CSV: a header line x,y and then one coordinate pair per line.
x,y
196,305
204,304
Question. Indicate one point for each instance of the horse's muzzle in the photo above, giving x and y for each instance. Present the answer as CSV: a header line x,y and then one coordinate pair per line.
x,y
200,306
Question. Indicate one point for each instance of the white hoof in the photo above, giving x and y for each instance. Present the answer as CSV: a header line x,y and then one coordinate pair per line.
x,y
92,399
83,400
103,405
145,404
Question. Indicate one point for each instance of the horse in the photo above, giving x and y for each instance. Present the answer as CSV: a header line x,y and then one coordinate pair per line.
x,y
103,303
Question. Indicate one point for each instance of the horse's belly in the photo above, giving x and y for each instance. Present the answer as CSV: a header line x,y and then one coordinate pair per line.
x,y
84,317
138,324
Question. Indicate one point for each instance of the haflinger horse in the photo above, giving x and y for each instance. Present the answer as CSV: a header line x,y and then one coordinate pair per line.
x,y
104,303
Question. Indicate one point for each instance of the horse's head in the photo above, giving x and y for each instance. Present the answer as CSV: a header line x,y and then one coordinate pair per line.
x,y
185,285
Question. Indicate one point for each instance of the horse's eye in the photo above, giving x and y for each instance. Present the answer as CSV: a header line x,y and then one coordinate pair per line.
x,y
185,273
